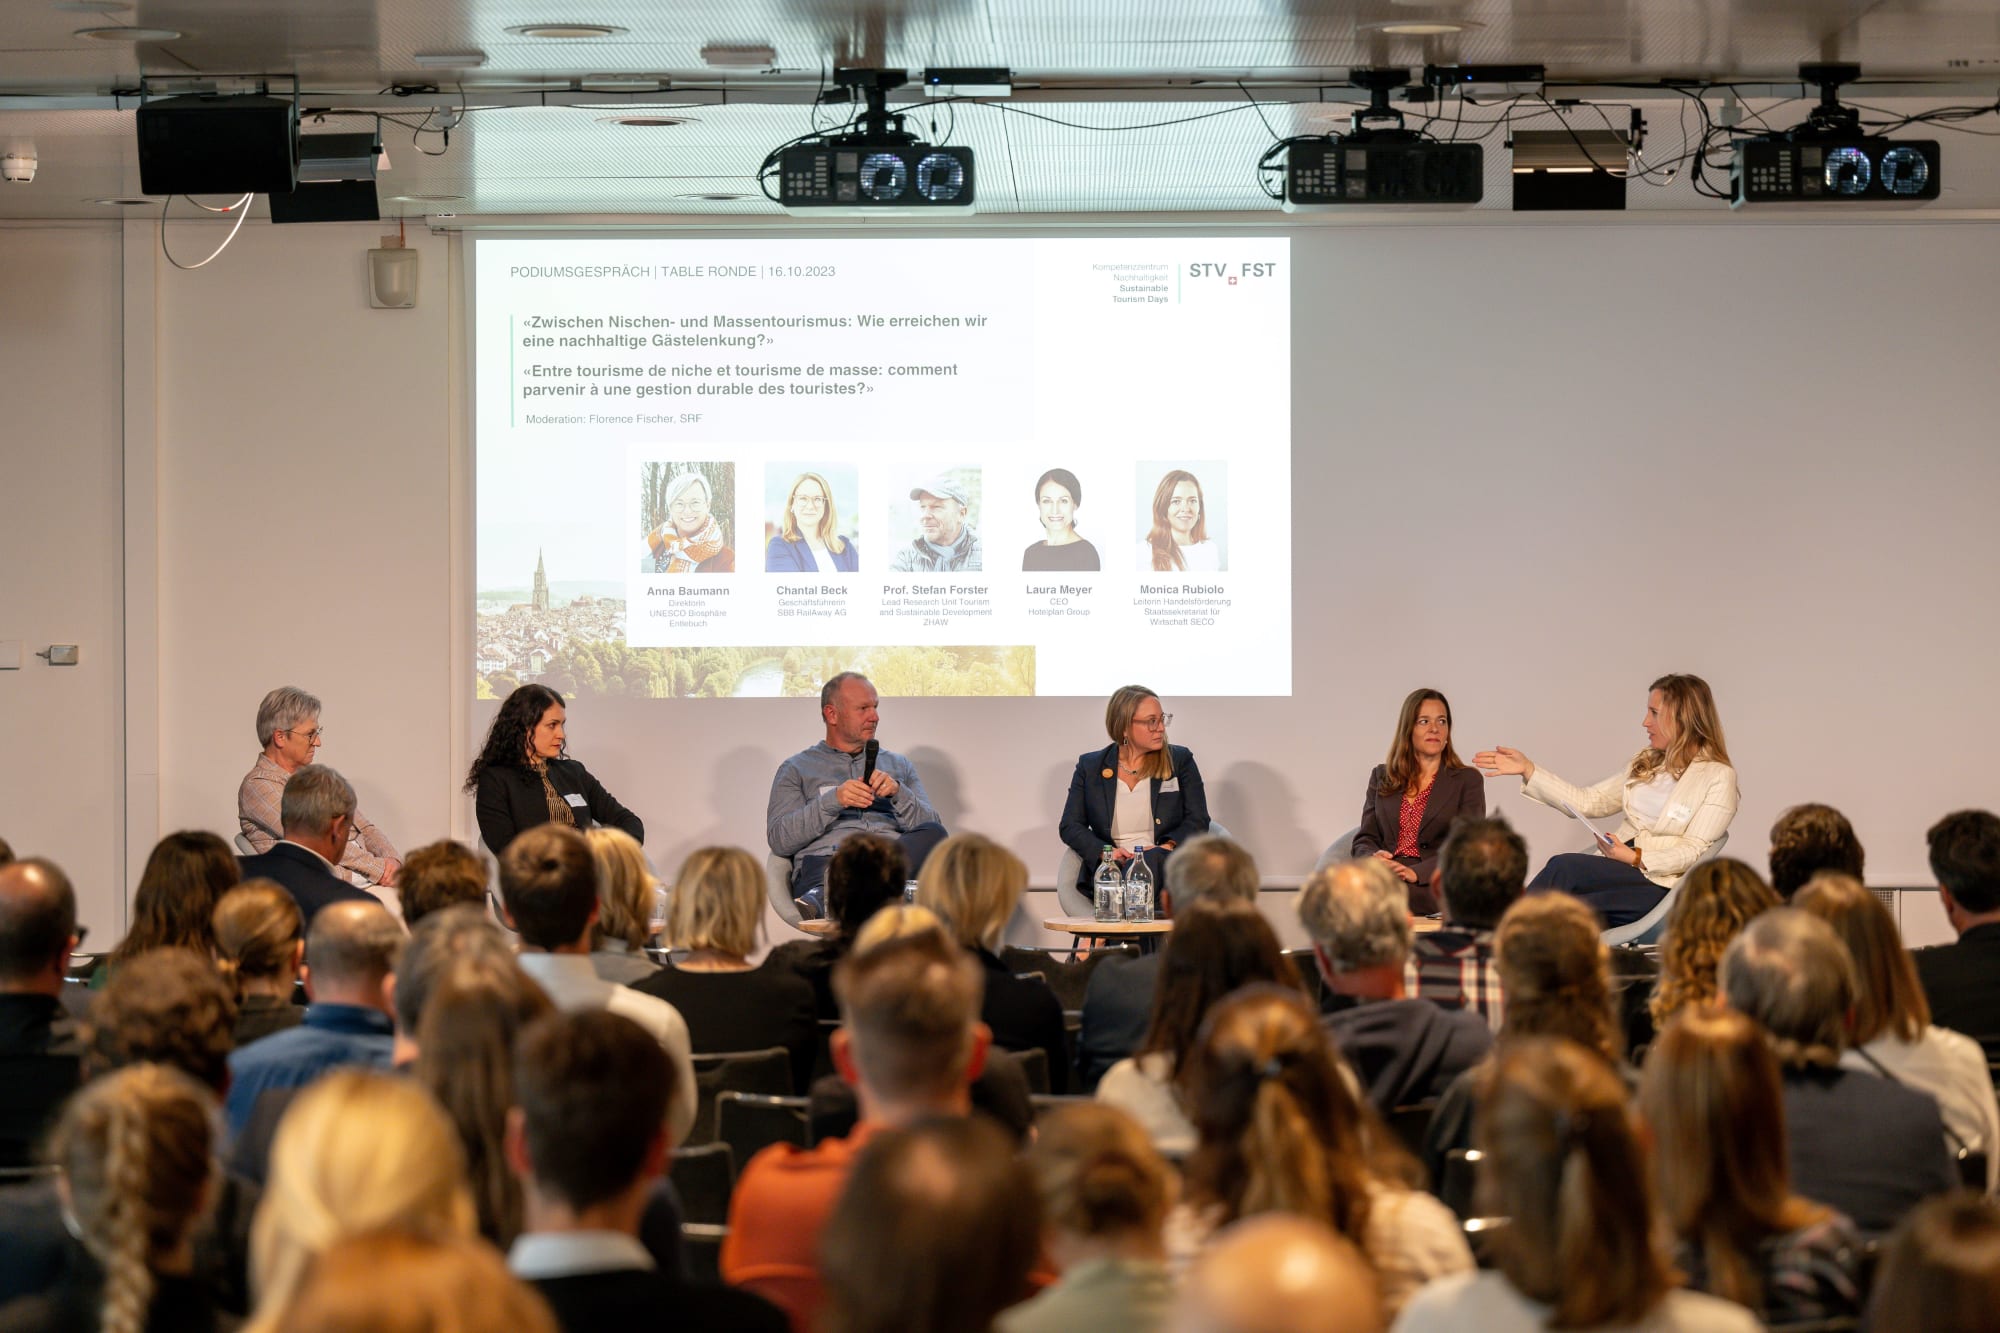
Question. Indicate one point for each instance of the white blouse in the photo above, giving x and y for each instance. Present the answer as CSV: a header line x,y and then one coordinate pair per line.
x,y
1131,813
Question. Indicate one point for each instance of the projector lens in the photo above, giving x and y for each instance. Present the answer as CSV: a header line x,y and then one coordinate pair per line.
x,y
1905,171
1847,171
940,177
883,176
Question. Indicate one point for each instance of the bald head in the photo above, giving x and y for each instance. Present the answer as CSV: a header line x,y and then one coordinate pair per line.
x,y
37,924
1277,1273
350,951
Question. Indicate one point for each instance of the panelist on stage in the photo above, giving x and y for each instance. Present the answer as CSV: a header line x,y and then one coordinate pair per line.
x,y
1138,790
842,786
524,777
809,540
1677,797
288,727
1414,796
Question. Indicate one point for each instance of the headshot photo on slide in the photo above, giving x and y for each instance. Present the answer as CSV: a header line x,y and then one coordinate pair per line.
x,y
934,521
1058,500
1183,517
686,517
811,511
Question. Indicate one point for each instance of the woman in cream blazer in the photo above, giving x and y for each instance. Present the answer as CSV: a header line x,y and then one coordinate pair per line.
x,y
1677,796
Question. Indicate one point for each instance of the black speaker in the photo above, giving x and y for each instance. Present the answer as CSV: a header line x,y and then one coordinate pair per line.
x,y
202,144
327,201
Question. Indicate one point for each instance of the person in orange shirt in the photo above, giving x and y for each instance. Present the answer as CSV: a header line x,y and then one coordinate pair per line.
x,y
910,1043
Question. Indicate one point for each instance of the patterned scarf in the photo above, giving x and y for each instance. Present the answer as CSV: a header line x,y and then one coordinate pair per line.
x,y
559,811
674,554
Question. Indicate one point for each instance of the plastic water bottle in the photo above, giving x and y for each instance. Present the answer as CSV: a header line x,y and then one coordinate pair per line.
x,y
1138,887
1109,897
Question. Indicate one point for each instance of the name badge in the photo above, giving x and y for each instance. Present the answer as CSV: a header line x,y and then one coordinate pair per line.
x,y
1171,784
576,801
1679,813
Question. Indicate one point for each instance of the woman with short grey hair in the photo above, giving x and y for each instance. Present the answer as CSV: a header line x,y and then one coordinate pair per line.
x,y
289,730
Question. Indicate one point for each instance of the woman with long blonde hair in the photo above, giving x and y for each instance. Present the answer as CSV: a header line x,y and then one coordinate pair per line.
x,y
1712,1100
1178,539
407,1282
810,533
1719,899
1282,1130
357,1152
626,891
1675,801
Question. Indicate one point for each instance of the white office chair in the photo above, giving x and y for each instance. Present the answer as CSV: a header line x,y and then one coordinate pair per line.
x,y
243,847
1074,901
1648,928
778,885
1338,850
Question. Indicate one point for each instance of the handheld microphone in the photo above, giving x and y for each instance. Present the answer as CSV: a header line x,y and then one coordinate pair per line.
x,y
868,752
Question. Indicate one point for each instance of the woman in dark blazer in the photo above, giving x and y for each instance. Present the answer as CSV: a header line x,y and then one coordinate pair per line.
x,y
1174,798
1413,798
523,778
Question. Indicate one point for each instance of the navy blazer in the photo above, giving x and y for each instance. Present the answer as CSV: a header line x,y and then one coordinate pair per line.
x,y
1086,819
304,876
1457,793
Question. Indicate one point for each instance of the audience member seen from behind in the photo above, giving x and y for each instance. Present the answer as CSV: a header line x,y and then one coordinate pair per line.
x,y
1217,947
1860,1143
1281,1131
174,905
1058,496
548,889
626,897
936,1232
1941,1271
439,943
1676,798
440,875
6,852
317,812
866,874
289,735
1279,1274
974,884
358,1151
465,1059
260,945
714,919
1719,899
1139,791
1808,839
1714,1106
1563,1161
39,1042
1552,962
524,777
910,1043
1105,1194
135,1154
1415,796
586,1139
168,1007
809,534
1481,869
350,953
1118,1001
1403,1050
1890,1031
405,1281
1962,980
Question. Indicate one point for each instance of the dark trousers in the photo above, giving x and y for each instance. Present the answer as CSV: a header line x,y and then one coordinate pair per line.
x,y
1618,893
809,872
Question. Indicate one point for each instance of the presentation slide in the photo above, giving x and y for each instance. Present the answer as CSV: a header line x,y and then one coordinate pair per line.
x,y
969,466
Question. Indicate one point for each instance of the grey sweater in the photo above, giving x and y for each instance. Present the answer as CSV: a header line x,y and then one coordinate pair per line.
x,y
805,818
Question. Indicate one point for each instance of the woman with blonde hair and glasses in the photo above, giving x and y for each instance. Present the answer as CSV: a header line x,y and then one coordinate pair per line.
x,y
1676,800
1719,899
1416,794
1891,1031
1138,791
715,916
1582,1249
358,1151
1713,1103
260,942
1282,1130
809,540
626,891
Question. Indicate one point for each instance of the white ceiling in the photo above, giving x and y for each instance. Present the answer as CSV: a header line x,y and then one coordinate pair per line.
x,y
1113,72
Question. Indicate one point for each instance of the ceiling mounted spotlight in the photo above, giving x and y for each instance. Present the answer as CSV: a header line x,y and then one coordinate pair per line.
x,y
425,198
648,122
128,34
728,55
124,203
565,32
1419,27
18,166
449,59
713,197
91,6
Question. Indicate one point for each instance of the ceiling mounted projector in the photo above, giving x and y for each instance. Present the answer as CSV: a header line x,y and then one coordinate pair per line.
x,y
1389,165
1830,159
877,170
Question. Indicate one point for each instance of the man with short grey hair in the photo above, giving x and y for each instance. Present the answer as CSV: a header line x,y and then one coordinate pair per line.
x,y
316,815
1118,1003
1403,1050
289,730
945,543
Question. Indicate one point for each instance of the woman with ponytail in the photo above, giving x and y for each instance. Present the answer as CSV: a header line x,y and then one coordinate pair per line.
x,y
1283,1130
260,940
1582,1248
135,1156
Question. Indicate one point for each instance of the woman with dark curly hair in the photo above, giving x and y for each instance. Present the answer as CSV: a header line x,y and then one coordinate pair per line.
x,y
174,905
524,775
